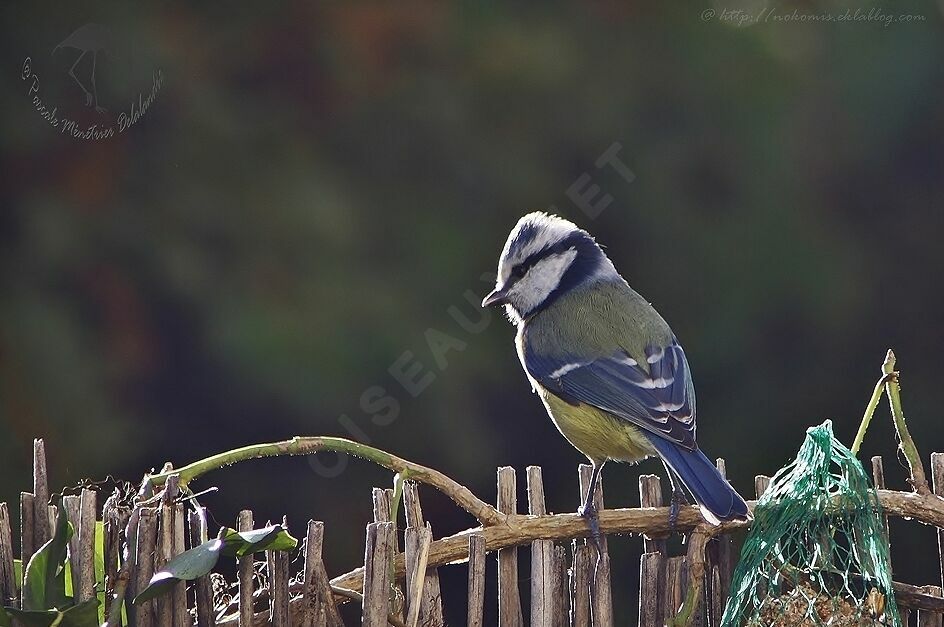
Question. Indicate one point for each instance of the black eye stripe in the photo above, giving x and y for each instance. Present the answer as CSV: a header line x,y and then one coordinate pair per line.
x,y
573,240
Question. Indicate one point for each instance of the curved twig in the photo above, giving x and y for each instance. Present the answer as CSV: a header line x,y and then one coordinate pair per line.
x,y
463,497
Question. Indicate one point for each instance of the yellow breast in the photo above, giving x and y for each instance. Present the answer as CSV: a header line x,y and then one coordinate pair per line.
x,y
596,433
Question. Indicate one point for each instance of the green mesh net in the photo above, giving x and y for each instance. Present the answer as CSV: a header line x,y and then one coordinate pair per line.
x,y
817,553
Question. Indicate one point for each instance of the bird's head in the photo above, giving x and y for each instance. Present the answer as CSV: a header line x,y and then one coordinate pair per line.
x,y
545,256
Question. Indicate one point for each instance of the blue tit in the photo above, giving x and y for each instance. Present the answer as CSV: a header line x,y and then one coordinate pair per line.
x,y
608,368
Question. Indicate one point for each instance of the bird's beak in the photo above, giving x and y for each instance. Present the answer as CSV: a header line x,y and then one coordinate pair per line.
x,y
495,297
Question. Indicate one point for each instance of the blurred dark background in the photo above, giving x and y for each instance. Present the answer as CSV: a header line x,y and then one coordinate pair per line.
x,y
314,191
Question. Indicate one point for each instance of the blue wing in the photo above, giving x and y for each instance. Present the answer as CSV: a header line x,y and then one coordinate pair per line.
x,y
660,400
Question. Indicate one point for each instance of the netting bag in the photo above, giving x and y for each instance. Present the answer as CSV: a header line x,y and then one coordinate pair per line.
x,y
817,553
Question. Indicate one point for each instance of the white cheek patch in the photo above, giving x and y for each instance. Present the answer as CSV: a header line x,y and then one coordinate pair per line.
x,y
542,279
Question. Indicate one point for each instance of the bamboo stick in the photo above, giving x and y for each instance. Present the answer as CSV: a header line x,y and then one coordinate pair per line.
x,y
476,581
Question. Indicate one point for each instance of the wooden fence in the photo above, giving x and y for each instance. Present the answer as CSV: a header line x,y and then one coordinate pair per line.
x,y
566,585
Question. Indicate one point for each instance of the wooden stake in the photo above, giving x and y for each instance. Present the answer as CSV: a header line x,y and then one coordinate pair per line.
x,y
165,550
7,575
203,588
278,586
476,581
761,483
27,537
319,602
580,577
431,612
926,618
509,599
245,573
41,519
937,480
181,614
417,554
542,558
601,598
144,550
84,525
377,553
114,525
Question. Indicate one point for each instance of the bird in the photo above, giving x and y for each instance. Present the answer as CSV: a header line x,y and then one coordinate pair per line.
x,y
92,38
607,367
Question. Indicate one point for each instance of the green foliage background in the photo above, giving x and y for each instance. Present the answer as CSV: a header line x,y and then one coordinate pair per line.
x,y
315,184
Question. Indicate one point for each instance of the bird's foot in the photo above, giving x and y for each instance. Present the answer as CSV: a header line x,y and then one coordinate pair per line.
x,y
678,499
100,109
88,100
589,513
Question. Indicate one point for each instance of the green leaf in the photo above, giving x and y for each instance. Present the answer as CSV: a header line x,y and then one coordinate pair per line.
x,y
271,538
45,572
187,566
100,568
84,614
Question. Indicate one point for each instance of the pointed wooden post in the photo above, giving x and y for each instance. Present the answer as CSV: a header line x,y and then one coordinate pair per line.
x,y
430,612
652,561
320,609
509,599
601,597
543,581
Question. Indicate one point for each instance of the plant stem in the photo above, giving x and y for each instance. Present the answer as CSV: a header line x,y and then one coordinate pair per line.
x,y
463,497
870,408
918,479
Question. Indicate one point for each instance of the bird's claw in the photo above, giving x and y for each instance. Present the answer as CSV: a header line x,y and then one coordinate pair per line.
x,y
589,512
678,499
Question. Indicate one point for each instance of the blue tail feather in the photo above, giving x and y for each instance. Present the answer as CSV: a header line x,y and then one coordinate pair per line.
x,y
701,477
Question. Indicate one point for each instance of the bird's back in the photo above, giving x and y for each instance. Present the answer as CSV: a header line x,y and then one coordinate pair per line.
x,y
601,319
